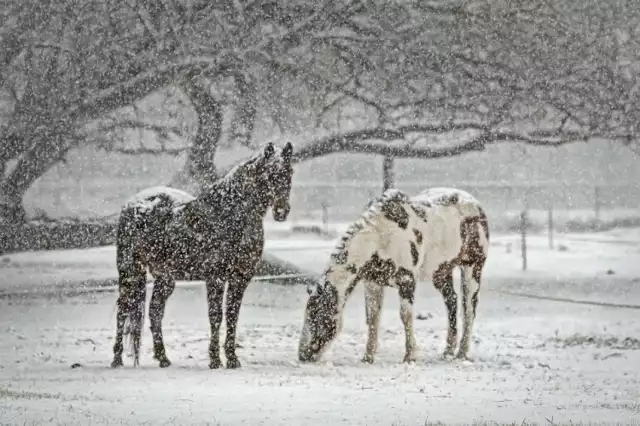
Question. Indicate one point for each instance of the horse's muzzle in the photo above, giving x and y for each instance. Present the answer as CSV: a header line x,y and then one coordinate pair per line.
x,y
305,355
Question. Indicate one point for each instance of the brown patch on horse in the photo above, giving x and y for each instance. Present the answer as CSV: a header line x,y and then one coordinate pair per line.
x,y
381,271
378,270
406,282
395,212
482,219
449,200
471,252
419,212
414,253
418,236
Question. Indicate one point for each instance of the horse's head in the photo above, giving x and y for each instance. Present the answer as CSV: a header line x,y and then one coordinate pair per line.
x,y
275,172
322,323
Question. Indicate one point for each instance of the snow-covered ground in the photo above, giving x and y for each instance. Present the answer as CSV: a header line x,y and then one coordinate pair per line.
x,y
535,359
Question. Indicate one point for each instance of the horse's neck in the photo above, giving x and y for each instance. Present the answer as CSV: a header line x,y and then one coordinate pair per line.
x,y
342,279
236,199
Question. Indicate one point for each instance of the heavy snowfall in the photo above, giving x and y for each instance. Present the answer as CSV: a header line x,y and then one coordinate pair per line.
x,y
296,116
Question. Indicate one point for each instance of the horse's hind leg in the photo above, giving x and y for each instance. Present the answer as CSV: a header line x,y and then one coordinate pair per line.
x,y
406,289
132,290
443,281
471,275
162,290
121,316
235,293
373,298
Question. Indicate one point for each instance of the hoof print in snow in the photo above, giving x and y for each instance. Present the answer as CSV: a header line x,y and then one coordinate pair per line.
x,y
76,365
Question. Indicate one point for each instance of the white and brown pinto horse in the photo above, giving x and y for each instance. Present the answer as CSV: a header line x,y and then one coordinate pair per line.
x,y
397,242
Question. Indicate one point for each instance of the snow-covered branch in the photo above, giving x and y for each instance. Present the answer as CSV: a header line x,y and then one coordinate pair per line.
x,y
396,143
161,130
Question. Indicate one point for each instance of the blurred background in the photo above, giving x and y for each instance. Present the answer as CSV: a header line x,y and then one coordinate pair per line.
x,y
100,99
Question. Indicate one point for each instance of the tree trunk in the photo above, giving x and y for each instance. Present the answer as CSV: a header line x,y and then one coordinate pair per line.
x,y
46,150
201,160
387,173
245,112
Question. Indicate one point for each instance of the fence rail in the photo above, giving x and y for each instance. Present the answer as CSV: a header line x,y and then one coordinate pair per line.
x,y
570,202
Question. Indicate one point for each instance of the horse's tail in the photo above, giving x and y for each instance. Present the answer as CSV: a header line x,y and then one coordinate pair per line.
x,y
132,282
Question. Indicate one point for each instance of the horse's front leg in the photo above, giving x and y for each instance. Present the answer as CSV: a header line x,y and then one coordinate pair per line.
x,y
373,298
406,290
237,286
215,293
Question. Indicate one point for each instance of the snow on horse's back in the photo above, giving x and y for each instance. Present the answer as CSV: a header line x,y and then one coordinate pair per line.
x,y
147,199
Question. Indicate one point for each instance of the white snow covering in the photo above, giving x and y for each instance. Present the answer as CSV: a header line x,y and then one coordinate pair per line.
x,y
148,198
432,195
533,360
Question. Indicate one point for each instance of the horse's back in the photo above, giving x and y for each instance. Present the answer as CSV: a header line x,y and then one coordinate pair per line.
x,y
448,211
144,221
446,197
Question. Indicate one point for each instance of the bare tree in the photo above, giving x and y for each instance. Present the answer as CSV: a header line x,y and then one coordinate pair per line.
x,y
96,57
426,79
403,78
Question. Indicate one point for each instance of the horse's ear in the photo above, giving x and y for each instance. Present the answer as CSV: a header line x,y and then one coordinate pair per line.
x,y
287,151
269,150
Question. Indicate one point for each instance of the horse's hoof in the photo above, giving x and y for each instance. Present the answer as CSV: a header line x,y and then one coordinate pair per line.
x,y
233,364
367,359
214,365
164,363
117,363
447,355
462,356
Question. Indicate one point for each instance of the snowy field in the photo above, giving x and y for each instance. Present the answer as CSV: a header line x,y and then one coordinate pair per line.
x,y
537,357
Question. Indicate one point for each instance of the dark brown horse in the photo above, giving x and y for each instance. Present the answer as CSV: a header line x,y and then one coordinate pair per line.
x,y
217,237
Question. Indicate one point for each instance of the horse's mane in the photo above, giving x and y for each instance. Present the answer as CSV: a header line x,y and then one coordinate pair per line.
x,y
372,210
227,184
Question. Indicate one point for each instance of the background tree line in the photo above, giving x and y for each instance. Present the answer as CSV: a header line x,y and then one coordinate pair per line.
x,y
399,78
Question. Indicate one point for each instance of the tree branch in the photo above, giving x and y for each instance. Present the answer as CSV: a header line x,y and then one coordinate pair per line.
x,y
361,142
93,106
149,151
162,130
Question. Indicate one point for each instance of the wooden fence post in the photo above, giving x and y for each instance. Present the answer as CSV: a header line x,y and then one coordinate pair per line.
x,y
523,238
325,217
596,194
550,226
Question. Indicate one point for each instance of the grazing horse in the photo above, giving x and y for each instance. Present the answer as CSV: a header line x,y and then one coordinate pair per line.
x,y
217,237
398,241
